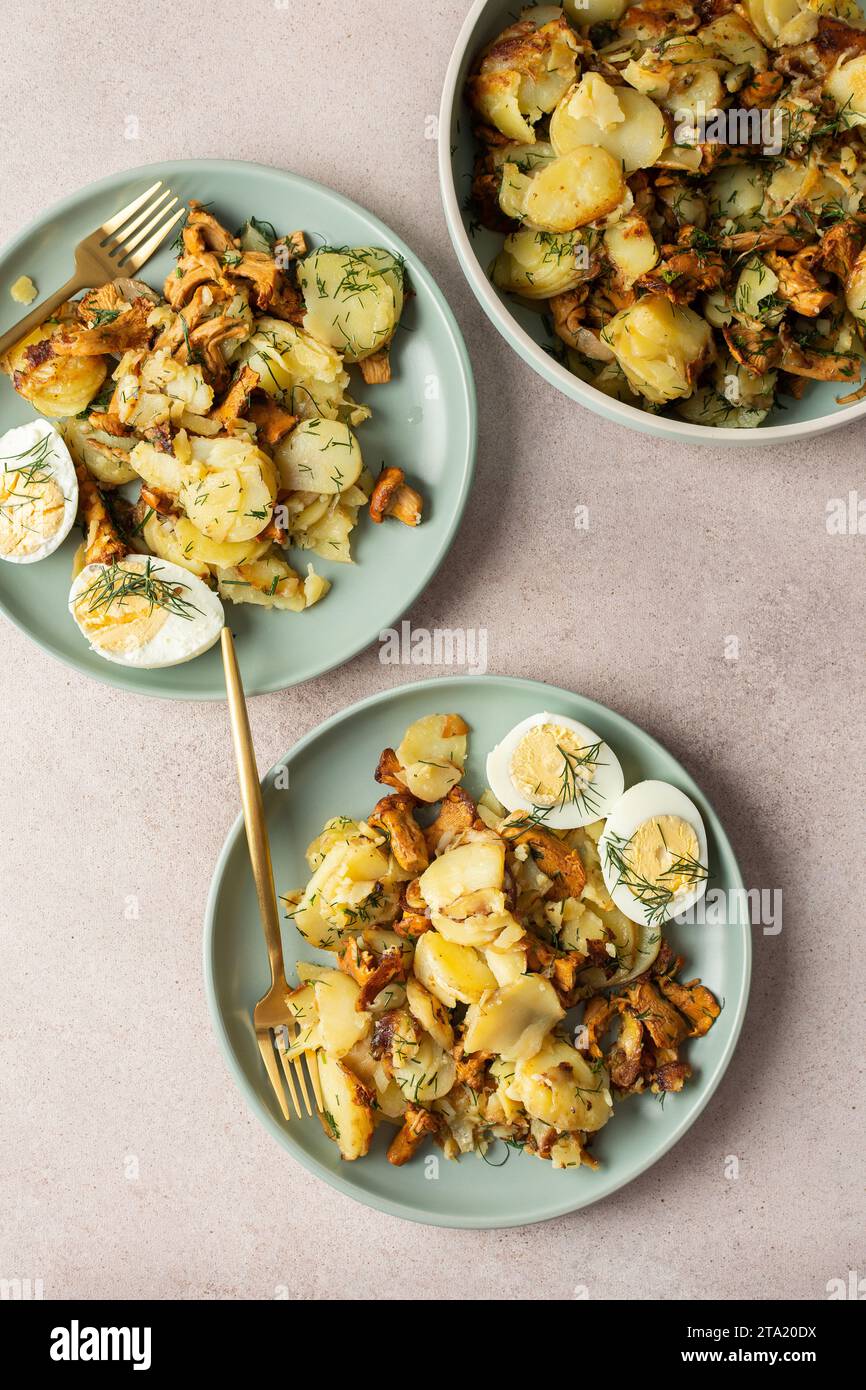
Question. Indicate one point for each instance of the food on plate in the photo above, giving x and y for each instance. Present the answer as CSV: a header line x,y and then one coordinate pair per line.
x,y
654,852
140,611
23,291
467,932
679,188
554,763
209,427
38,493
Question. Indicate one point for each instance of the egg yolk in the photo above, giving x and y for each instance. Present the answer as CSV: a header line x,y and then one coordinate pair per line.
x,y
125,624
546,765
662,852
31,511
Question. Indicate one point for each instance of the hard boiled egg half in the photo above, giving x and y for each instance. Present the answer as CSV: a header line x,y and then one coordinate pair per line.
x,y
556,767
38,493
140,611
653,853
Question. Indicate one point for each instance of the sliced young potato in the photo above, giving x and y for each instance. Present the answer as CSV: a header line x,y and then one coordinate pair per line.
x,y
327,534
320,456
230,496
558,1086
104,455
57,386
159,534
537,265
430,1013
289,361
513,1021
589,12
635,142
463,870
161,471
354,298
631,248
431,755
661,347
846,84
341,1023
576,188
450,972
196,547
348,1114
756,283
426,1076
343,894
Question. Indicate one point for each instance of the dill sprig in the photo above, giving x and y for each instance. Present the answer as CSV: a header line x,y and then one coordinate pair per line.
x,y
655,896
118,585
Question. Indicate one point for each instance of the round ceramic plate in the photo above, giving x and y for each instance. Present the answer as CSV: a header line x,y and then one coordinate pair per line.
x,y
423,420
330,772
526,330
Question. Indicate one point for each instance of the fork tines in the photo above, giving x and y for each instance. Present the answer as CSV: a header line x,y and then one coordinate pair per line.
x,y
124,233
293,1069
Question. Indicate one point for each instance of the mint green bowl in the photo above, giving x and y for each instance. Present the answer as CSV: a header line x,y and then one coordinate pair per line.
x,y
330,772
815,414
424,420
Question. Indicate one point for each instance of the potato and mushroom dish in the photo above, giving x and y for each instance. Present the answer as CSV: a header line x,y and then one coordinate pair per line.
x,y
679,184
465,934
225,402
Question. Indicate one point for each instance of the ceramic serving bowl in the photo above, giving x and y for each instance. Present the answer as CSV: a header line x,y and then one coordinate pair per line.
x,y
524,329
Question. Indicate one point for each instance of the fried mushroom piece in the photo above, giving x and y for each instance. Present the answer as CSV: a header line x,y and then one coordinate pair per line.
x,y
596,1020
234,405
272,421
797,284
388,770
664,1024
553,857
120,331
840,247
392,496
417,1124
394,816
103,543
411,925
370,972
203,232
260,271
566,969
624,1058
815,361
689,268
755,346
207,340
376,369
694,1001
472,1069
761,90
457,812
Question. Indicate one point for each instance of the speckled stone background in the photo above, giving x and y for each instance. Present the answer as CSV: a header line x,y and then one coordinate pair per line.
x,y
107,1063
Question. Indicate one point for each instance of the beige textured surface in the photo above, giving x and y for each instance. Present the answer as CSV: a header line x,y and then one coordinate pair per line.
x,y
108,797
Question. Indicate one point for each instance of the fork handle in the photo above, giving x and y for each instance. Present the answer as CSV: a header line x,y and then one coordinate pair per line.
x,y
44,309
254,815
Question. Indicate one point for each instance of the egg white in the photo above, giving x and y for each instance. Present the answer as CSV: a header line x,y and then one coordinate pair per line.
x,y
640,803
15,446
605,787
179,638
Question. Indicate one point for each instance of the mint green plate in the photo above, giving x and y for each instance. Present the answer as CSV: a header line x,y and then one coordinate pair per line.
x,y
424,420
331,773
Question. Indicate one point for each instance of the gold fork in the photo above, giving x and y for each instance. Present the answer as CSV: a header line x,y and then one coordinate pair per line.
x,y
272,1018
117,248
